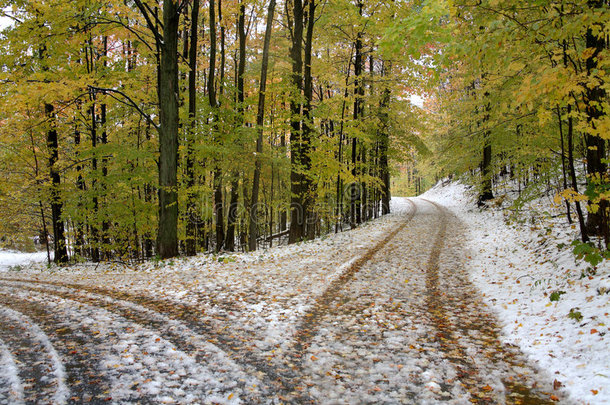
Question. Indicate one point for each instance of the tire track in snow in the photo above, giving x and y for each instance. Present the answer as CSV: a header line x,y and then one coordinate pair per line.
x,y
363,350
11,389
179,324
281,380
310,323
34,335
141,365
74,345
456,315
308,326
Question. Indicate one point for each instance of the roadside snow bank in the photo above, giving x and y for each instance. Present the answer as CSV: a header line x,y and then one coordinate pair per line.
x,y
10,258
517,267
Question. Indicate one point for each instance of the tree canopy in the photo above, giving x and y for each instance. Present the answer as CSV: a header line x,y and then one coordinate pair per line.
x,y
134,129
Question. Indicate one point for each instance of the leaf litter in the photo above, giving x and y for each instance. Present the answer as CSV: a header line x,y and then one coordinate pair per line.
x,y
356,317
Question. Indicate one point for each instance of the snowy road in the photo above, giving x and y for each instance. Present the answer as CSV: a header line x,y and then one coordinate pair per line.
x,y
382,314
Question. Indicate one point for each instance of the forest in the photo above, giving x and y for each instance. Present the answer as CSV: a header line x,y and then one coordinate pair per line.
x,y
141,129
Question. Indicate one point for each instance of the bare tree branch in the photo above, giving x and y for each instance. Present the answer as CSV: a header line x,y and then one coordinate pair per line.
x,y
145,10
126,100
4,14
138,34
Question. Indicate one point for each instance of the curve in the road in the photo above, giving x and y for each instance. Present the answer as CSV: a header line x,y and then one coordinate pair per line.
x,y
281,379
203,348
43,359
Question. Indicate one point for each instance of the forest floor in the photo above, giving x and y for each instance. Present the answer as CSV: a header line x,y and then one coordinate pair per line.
x,y
385,313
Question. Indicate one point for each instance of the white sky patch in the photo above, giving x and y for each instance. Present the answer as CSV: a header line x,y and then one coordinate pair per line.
x,y
6,22
62,392
9,378
417,100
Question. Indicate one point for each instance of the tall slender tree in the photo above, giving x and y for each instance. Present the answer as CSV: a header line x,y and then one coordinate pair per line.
x,y
299,148
260,121
193,219
59,238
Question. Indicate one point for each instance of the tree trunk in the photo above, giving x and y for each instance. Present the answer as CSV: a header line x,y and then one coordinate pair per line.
x,y
95,234
232,214
260,121
167,238
59,245
384,145
281,186
241,69
218,208
298,147
340,191
486,191
168,97
563,163
79,237
486,183
192,219
307,126
570,136
356,191
106,251
597,223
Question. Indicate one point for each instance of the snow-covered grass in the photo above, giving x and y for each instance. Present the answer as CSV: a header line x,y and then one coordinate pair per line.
x,y
517,263
10,259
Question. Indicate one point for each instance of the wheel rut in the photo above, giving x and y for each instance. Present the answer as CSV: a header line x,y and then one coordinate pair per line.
x,y
450,317
74,349
177,323
455,316
328,303
323,304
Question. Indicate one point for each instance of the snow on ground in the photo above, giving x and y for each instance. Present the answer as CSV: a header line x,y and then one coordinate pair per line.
x,y
11,390
10,259
264,291
517,267
56,367
256,301
253,301
134,356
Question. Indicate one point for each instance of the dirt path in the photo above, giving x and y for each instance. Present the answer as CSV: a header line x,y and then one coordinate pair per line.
x,y
406,327
400,323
